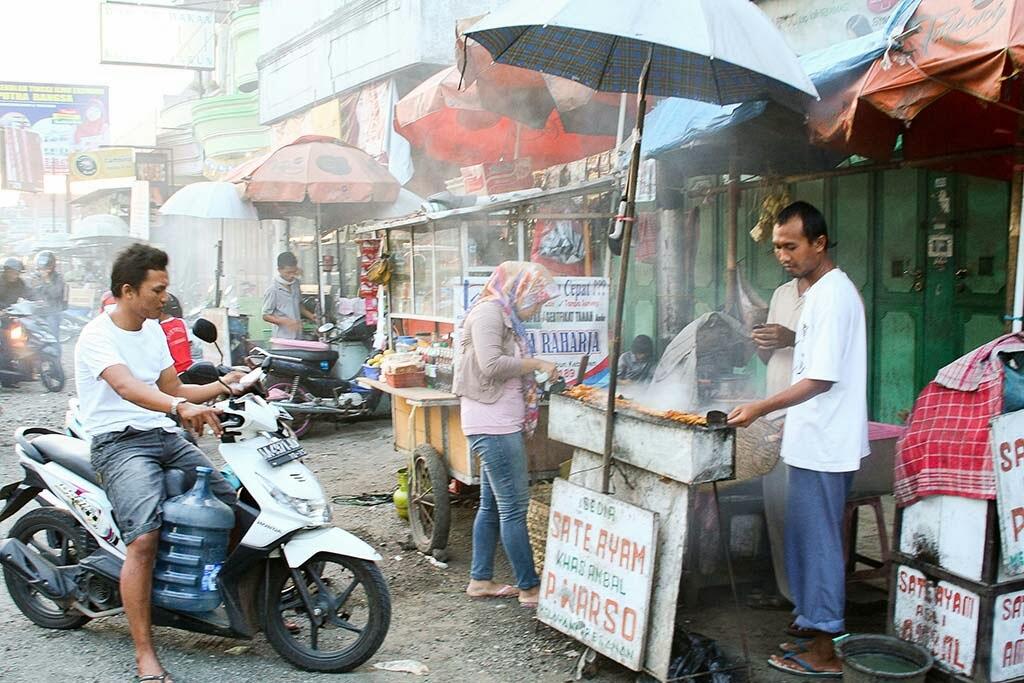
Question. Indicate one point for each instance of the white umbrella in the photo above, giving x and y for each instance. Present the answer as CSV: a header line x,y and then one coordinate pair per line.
x,y
217,200
210,200
719,51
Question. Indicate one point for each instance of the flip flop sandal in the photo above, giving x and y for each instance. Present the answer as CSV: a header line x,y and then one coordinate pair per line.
x,y
503,592
155,678
529,604
800,632
798,646
806,670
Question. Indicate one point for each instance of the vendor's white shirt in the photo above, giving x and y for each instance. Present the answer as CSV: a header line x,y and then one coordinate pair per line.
x,y
829,433
103,344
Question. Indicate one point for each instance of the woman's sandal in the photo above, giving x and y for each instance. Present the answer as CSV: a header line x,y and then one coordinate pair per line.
x,y
154,678
503,592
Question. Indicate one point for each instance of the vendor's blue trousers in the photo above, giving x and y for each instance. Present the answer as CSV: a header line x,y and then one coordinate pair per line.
x,y
504,499
815,562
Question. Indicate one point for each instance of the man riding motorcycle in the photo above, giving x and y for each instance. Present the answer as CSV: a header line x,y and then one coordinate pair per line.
x,y
49,288
128,393
12,286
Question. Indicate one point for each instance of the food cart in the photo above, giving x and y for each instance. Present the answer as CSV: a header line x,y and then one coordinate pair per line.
x,y
439,262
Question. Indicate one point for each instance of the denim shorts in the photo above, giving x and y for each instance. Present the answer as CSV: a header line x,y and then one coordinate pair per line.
x,y
131,465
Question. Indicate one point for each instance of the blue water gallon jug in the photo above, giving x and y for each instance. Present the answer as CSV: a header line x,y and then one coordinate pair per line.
x,y
193,547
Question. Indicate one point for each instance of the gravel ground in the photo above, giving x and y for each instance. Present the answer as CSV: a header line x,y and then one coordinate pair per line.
x,y
432,621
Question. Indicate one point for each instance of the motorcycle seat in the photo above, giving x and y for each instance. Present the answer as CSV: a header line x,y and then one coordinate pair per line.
x,y
307,355
70,453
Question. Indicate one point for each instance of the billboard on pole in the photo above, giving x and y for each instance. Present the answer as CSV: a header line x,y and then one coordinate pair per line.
x,y
157,35
68,118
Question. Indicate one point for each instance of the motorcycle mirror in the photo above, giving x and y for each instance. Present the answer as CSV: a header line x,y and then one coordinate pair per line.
x,y
205,330
325,328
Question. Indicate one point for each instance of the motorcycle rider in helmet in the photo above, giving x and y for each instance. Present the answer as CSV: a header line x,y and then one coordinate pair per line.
x,y
12,287
50,290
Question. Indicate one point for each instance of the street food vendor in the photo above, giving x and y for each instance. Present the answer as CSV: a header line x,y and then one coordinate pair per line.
x,y
825,436
499,409
775,341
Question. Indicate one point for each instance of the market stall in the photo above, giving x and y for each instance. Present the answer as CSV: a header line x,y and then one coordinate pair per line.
x,y
440,261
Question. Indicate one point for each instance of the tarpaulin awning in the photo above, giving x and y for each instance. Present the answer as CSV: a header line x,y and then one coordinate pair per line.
x,y
760,136
945,82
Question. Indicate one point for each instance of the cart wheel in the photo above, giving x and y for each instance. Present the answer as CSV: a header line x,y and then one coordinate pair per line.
x,y
429,510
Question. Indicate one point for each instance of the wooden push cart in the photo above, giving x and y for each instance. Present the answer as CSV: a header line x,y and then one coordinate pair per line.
x,y
427,426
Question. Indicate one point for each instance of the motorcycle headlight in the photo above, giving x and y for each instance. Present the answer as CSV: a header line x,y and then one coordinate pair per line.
x,y
317,511
18,335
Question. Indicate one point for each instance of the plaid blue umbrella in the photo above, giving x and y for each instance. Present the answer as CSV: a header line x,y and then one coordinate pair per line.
x,y
719,51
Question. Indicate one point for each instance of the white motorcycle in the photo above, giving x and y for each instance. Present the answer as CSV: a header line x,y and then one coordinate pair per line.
x,y
312,588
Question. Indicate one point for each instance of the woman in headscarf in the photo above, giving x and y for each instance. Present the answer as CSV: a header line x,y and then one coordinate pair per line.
x,y
499,396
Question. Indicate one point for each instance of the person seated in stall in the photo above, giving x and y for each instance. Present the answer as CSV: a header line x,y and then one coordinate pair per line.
x,y
637,364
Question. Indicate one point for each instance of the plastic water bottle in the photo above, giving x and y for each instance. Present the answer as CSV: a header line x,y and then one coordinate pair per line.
x,y
193,547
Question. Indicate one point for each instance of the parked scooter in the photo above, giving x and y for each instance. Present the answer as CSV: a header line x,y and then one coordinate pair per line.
x,y
27,349
305,385
312,588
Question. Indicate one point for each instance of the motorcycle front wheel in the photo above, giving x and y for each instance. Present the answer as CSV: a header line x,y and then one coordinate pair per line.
x,y
329,615
52,375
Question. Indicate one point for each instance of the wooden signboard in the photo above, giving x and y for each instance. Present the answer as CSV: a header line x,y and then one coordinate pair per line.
x,y
598,571
939,616
1008,454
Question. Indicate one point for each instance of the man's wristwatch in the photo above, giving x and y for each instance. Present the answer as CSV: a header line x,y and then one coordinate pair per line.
x,y
175,402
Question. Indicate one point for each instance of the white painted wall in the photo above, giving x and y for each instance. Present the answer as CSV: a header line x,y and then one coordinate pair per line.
x,y
314,49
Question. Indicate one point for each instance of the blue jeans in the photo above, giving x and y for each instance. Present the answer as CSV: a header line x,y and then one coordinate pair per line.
x,y
504,498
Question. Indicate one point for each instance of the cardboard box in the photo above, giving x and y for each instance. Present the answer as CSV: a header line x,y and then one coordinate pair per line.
x,y
503,176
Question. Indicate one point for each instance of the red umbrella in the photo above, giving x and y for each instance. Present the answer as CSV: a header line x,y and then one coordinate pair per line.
x,y
453,125
320,169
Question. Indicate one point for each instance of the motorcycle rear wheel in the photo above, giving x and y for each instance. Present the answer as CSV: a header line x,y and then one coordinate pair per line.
x,y
302,423
55,534
355,613
51,374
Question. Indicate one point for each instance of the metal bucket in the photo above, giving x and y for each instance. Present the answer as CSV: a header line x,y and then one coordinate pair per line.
x,y
882,659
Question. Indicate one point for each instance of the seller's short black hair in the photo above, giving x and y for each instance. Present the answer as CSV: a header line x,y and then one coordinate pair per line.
x,y
812,220
286,259
131,266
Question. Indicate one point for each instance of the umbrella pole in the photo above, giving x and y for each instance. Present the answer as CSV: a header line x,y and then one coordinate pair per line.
x,y
628,214
320,271
220,267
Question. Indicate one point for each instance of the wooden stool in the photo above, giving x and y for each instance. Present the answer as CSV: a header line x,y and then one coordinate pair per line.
x,y
879,568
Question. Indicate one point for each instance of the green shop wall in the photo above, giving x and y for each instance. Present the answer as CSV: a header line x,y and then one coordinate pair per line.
x,y
926,249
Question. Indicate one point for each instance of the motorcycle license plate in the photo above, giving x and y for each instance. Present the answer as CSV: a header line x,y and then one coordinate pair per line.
x,y
281,451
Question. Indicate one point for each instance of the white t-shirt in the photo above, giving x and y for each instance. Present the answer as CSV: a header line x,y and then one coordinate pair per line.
x,y
103,344
829,433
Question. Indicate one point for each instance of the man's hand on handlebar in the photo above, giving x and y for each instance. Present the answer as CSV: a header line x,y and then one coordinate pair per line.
x,y
196,418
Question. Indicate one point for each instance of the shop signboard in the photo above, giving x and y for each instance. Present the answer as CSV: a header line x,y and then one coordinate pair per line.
x,y
939,616
102,164
599,571
68,118
186,38
573,324
1008,453
1008,638
21,160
